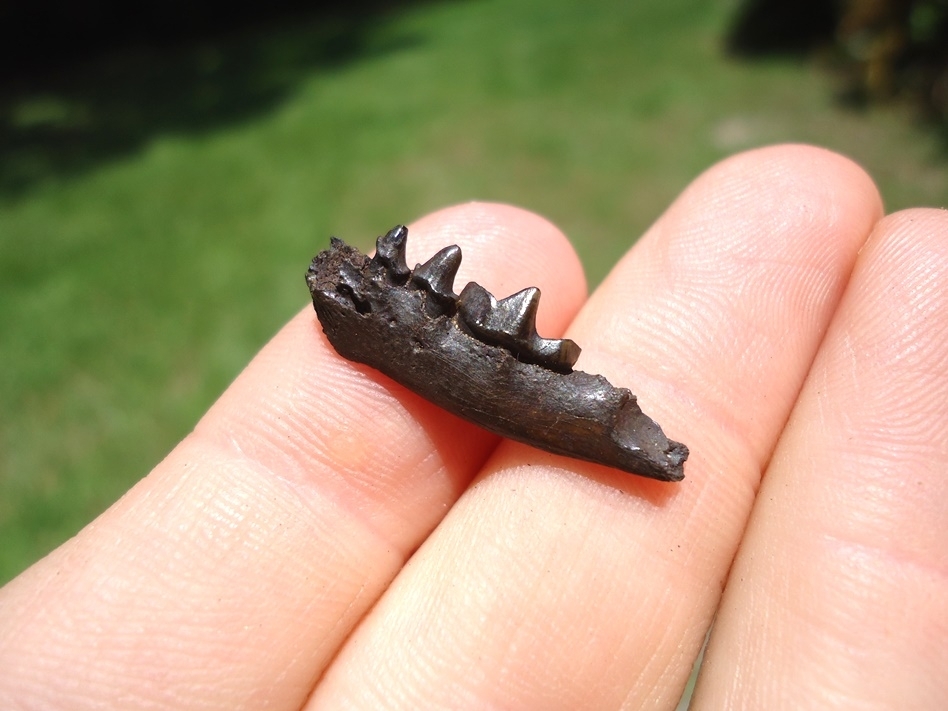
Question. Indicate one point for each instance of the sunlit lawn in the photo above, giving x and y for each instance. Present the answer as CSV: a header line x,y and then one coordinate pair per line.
x,y
138,276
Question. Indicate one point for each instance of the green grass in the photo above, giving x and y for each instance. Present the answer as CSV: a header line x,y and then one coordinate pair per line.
x,y
155,231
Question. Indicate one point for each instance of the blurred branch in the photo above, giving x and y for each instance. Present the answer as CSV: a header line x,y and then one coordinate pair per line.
x,y
886,48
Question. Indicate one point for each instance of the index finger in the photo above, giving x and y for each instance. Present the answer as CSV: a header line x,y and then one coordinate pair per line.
x,y
232,573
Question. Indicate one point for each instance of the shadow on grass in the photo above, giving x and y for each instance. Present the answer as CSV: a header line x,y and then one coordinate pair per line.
x,y
63,112
765,27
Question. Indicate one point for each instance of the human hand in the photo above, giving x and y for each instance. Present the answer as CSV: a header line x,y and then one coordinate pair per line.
x,y
326,539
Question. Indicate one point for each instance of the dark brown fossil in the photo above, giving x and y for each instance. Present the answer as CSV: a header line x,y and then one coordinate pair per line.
x,y
480,358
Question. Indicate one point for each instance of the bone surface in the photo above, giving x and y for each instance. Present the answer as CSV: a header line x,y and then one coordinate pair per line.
x,y
480,358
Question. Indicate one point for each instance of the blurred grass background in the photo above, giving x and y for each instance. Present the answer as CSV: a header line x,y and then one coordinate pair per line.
x,y
158,207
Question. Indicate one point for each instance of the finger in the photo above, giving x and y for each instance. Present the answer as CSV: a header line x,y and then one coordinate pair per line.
x,y
839,596
558,584
229,576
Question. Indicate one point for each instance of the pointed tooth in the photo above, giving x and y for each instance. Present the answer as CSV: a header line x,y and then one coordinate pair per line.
x,y
511,324
475,306
517,314
390,252
437,274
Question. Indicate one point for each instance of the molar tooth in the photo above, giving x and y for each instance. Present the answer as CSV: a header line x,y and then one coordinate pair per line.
x,y
390,253
558,354
511,324
436,275
475,306
517,314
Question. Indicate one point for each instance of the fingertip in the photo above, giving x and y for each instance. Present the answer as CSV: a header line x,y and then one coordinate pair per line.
x,y
918,228
793,166
855,496
897,304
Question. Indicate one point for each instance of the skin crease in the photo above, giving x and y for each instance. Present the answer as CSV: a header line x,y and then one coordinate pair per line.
x,y
325,539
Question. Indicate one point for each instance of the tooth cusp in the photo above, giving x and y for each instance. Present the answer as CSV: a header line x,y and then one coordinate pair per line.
x,y
558,354
436,276
511,324
517,314
390,253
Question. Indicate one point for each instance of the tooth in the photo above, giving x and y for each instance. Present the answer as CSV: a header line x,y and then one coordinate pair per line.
x,y
390,253
511,323
475,307
556,353
436,275
517,314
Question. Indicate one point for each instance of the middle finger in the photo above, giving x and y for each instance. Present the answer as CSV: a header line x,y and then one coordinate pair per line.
x,y
561,584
